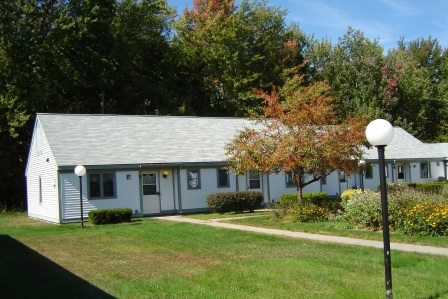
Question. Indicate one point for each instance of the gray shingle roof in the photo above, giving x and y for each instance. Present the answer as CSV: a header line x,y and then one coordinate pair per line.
x,y
404,146
121,139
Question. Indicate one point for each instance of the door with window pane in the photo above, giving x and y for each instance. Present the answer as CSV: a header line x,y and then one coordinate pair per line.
x,y
150,193
401,177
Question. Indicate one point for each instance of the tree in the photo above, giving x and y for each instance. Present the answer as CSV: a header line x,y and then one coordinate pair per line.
x,y
415,94
229,51
353,71
300,134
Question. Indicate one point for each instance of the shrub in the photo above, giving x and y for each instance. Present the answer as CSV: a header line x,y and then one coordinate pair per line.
x,y
224,202
363,210
289,199
308,213
410,211
347,194
429,187
395,187
426,218
110,216
316,198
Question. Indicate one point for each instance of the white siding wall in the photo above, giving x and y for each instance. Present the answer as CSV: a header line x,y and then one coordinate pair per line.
x,y
436,171
195,198
332,186
37,167
128,195
278,187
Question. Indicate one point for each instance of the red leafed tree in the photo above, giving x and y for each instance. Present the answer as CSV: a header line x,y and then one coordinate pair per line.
x,y
298,133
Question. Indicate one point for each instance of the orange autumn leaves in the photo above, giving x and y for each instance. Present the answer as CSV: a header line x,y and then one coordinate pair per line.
x,y
299,133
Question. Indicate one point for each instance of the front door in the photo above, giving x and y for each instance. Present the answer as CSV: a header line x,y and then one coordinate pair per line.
x,y
400,173
151,194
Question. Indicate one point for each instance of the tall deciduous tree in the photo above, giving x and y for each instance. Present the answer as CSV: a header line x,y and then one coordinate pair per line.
x,y
415,95
231,50
300,134
353,71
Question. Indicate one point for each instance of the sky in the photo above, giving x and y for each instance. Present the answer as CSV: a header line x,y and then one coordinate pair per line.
x,y
384,20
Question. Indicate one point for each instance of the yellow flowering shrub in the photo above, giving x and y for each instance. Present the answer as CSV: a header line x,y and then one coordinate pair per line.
x,y
427,218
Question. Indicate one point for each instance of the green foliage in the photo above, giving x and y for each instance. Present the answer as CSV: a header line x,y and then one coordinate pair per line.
x,y
288,199
224,202
395,187
110,216
428,187
316,207
316,198
347,194
411,212
307,213
363,210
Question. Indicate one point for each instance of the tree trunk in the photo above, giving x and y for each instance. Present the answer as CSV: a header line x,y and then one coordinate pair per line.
x,y
297,178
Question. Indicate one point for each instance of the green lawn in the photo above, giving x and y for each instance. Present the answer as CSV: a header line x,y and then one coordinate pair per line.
x,y
266,219
151,258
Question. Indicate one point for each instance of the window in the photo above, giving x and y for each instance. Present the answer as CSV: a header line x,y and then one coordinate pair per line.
x,y
223,178
342,177
102,185
425,170
254,180
369,173
323,180
289,179
149,183
194,179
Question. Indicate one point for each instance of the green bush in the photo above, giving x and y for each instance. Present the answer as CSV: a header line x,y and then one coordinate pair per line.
x,y
224,202
426,187
308,213
316,198
429,187
319,199
289,199
410,211
346,195
110,216
363,210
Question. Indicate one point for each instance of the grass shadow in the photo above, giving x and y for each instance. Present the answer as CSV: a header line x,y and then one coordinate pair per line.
x,y
24,273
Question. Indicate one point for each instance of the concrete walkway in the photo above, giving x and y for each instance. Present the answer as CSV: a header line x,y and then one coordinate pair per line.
x,y
314,237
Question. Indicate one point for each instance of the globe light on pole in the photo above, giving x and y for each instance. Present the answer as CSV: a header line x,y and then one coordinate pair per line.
x,y
380,133
80,171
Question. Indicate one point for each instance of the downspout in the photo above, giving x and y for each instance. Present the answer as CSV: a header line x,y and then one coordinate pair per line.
x,y
339,184
160,194
237,185
174,191
179,190
268,188
59,195
141,192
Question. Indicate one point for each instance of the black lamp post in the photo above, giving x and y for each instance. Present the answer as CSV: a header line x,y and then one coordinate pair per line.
x,y
80,171
380,133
